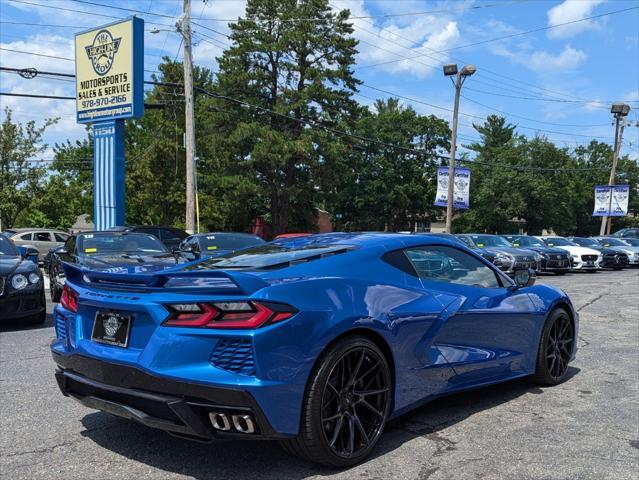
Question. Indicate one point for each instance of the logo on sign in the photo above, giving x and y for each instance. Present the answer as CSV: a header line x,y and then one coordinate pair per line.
x,y
103,51
111,326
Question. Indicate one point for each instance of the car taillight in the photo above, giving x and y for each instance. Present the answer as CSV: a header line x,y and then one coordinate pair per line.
x,y
227,314
69,299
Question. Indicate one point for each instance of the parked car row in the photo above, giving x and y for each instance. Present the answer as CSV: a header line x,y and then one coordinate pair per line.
x,y
554,253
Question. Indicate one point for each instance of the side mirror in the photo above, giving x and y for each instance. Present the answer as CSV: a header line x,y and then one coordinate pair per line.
x,y
525,278
63,251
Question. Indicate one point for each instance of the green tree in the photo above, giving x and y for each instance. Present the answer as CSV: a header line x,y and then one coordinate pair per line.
x,y
302,70
20,179
384,187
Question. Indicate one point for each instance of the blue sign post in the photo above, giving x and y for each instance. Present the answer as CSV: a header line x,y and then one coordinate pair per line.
x,y
108,174
109,62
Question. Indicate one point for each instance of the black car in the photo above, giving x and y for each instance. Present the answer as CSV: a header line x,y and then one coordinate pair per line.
x,y
501,253
611,258
211,244
552,259
169,236
627,233
109,250
21,286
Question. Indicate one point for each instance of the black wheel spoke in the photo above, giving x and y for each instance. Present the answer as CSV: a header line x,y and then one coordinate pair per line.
x,y
351,435
371,392
371,408
336,430
361,429
355,371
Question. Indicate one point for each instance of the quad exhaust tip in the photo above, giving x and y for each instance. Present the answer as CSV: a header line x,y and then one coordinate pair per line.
x,y
238,423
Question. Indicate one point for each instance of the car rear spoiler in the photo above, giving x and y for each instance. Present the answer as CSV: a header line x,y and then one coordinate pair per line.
x,y
174,279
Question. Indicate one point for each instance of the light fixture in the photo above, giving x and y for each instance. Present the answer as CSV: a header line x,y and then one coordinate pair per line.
x,y
468,70
619,108
450,69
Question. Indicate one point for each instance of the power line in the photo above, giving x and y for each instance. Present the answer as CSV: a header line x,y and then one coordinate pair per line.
x,y
404,14
494,39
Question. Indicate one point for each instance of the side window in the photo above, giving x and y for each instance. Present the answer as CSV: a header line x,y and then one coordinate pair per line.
x,y
439,263
167,234
466,242
60,237
196,244
150,231
69,245
26,236
42,237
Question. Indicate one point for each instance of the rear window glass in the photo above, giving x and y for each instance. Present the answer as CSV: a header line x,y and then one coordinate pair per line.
x,y
228,241
101,244
7,248
271,256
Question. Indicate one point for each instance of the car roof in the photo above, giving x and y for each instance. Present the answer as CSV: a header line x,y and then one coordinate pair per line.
x,y
369,239
224,233
35,229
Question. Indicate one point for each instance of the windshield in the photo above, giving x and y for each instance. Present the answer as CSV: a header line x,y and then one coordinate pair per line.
x,y
110,243
613,242
7,248
634,242
586,242
528,242
489,241
558,242
228,241
271,255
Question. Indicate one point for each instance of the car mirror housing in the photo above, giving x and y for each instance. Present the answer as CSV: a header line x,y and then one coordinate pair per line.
x,y
525,278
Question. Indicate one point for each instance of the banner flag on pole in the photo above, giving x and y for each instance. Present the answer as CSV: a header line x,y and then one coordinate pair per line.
x,y
620,194
618,206
461,194
602,201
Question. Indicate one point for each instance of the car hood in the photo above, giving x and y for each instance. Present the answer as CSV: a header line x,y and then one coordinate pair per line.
x,y
577,250
136,262
515,252
546,250
9,265
626,250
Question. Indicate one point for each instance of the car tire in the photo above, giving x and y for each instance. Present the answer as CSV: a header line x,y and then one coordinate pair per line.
x,y
555,348
54,290
560,273
333,409
617,268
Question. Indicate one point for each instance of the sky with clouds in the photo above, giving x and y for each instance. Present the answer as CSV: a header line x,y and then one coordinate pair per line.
x,y
557,81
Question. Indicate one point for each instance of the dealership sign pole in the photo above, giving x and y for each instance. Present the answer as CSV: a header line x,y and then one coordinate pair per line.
x,y
109,65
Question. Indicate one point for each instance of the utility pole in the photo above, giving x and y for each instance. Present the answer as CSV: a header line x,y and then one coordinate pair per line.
x,y
189,117
620,111
450,70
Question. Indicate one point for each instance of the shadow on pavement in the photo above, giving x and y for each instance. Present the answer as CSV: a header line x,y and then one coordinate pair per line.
x,y
16,325
265,459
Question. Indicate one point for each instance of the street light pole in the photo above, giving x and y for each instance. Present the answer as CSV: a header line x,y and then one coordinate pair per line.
x,y
189,118
450,70
620,111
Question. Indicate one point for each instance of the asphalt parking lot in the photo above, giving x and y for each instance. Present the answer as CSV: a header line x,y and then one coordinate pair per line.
x,y
586,428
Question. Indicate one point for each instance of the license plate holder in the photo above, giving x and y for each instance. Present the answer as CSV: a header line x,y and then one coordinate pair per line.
x,y
112,328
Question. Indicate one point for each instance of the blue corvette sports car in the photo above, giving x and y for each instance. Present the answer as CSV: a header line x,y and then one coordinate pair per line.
x,y
316,341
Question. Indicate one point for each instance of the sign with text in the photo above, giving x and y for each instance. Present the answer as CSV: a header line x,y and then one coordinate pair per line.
x,y
615,207
109,66
461,191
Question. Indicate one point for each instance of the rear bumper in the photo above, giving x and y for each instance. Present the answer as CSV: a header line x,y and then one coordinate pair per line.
x,y
19,305
177,407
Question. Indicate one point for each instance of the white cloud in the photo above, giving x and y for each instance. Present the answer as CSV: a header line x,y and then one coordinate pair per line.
x,y
571,10
569,59
406,36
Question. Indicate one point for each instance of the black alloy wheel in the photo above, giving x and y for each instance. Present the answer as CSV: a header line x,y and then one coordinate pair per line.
x,y
555,349
346,404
